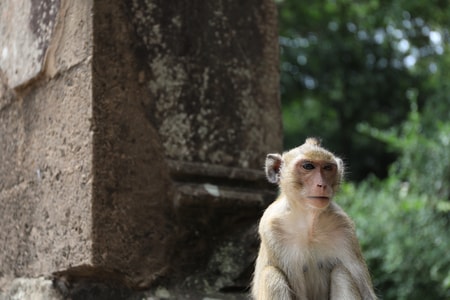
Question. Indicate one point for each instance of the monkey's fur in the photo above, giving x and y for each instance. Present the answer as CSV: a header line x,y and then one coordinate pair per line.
x,y
309,249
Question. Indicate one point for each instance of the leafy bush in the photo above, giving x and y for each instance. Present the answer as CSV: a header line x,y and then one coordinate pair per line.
x,y
403,221
404,240
424,159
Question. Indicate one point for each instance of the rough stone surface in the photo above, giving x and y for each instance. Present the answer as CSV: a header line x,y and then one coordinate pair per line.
x,y
212,78
42,288
25,32
156,79
133,227
30,289
45,188
46,153
132,140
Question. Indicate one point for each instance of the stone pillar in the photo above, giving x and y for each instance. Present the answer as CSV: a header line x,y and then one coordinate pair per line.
x,y
133,135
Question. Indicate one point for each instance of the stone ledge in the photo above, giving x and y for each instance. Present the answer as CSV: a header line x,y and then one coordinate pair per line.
x,y
43,288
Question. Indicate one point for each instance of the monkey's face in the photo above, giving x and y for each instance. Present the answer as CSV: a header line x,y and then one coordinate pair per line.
x,y
308,175
314,181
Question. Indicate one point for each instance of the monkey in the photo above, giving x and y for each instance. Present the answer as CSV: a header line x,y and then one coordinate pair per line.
x,y
309,249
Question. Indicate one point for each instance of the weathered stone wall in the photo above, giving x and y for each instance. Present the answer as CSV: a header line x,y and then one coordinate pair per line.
x,y
212,78
133,218
132,139
45,136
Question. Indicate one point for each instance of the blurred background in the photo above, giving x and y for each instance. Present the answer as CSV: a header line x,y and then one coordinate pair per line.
x,y
371,78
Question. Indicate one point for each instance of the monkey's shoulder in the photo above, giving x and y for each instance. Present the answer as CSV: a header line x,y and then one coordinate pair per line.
x,y
273,216
335,217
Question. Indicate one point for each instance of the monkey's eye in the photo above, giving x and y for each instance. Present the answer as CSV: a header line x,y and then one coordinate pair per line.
x,y
308,166
328,167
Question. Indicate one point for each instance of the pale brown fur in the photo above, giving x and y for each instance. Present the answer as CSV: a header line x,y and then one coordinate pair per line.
x,y
309,248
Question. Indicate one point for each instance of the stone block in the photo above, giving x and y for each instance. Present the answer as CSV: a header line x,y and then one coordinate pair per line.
x,y
132,138
46,180
45,137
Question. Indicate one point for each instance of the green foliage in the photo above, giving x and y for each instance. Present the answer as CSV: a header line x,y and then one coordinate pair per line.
x,y
350,62
403,220
404,242
424,157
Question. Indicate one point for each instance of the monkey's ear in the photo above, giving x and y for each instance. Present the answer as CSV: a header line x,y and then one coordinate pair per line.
x,y
341,168
273,167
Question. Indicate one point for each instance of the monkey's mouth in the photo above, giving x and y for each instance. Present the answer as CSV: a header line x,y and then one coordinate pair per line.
x,y
319,198
319,201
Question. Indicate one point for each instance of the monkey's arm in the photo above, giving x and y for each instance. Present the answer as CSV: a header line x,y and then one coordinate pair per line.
x,y
342,285
273,285
361,275
355,270
270,282
352,264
